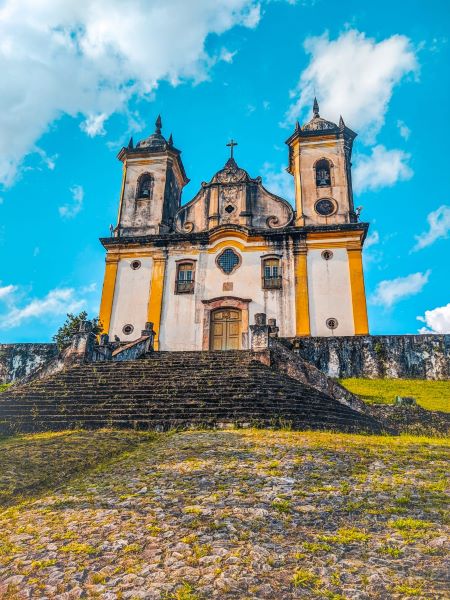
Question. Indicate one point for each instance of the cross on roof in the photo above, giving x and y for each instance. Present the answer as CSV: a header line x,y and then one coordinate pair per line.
x,y
232,144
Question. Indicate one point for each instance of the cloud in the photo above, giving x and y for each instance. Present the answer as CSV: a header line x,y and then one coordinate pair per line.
x,y
439,227
437,320
389,292
49,161
372,239
278,181
353,75
382,168
404,130
88,59
6,291
57,302
69,211
94,125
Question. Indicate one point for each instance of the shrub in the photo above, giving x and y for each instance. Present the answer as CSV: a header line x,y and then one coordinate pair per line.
x,y
71,326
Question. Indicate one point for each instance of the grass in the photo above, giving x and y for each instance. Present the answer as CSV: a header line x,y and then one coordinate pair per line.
x,y
4,386
432,395
259,513
32,463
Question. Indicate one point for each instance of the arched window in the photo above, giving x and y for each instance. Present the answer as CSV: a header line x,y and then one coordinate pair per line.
x,y
145,186
185,277
323,175
271,273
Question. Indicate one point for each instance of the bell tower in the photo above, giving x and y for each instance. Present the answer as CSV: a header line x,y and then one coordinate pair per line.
x,y
320,161
153,179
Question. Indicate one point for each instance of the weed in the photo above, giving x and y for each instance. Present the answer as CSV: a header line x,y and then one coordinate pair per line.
x,y
281,505
305,579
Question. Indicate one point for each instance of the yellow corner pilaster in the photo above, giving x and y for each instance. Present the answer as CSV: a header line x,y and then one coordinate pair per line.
x,y
299,219
302,326
358,291
156,296
109,284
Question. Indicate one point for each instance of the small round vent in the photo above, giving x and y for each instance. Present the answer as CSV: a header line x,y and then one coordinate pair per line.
x,y
332,323
327,255
135,264
128,329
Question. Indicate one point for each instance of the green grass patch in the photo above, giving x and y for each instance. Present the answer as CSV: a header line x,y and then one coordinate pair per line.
x,y
43,461
4,386
432,395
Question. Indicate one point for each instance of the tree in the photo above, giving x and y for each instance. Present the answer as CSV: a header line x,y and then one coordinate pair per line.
x,y
63,336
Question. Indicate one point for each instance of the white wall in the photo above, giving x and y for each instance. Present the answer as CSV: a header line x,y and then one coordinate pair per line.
x,y
131,296
330,293
182,316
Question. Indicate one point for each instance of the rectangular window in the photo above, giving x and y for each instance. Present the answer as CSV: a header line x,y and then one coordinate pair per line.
x,y
185,279
271,274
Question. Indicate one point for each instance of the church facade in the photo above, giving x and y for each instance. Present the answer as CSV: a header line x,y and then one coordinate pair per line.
x,y
201,271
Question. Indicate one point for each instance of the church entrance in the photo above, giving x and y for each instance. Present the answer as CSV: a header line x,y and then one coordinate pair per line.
x,y
225,329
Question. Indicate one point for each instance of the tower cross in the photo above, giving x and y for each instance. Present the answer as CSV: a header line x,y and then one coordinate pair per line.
x,y
232,144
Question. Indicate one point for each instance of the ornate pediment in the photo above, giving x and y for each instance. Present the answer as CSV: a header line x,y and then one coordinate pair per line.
x,y
233,197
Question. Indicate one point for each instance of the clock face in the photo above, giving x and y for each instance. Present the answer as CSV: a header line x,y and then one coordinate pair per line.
x,y
325,207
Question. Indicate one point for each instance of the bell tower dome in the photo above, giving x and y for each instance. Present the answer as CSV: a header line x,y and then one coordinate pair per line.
x,y
153,179
320,161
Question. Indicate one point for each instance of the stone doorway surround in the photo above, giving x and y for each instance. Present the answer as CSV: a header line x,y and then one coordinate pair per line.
x,y
226,302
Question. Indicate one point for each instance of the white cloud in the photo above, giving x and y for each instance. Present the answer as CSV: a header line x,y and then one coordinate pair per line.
x,y
278,181
382,168
6,291
88,58
49,161
404,130
391,291
94,125
439,227
437,320
70,210
57,302
353,75
372,239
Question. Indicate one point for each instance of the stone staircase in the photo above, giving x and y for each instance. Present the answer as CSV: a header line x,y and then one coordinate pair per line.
x,y
167,390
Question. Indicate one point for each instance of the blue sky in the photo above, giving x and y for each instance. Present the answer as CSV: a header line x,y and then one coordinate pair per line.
x,y
82,77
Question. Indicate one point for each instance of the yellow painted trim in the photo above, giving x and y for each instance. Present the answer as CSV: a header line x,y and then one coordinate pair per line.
x,y
222,233
124,177
299,219
239,245
156,296
319,245
358,292
109,284
302,326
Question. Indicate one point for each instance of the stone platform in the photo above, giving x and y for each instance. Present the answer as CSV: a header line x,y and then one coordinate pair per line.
x,y
167,390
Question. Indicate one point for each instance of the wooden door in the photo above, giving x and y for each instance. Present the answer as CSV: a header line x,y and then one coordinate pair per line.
x,y
225,329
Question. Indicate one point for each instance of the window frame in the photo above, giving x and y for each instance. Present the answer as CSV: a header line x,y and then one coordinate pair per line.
x,y
141,179
185,286
330,172
276,282
236,266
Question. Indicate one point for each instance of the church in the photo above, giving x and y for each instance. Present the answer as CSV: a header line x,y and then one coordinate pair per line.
x,y
202,270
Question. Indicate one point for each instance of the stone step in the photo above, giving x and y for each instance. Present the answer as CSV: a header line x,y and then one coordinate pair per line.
x,y
168,389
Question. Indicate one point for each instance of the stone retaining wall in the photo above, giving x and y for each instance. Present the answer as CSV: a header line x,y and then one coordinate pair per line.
x,y
379,356
20,360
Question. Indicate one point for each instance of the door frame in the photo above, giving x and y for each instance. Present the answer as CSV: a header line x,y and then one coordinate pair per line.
x,y
226,302
225,323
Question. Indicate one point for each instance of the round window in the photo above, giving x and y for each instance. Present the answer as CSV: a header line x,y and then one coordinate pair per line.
x,y
325,207
327,255
135,264
332,323
128,329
